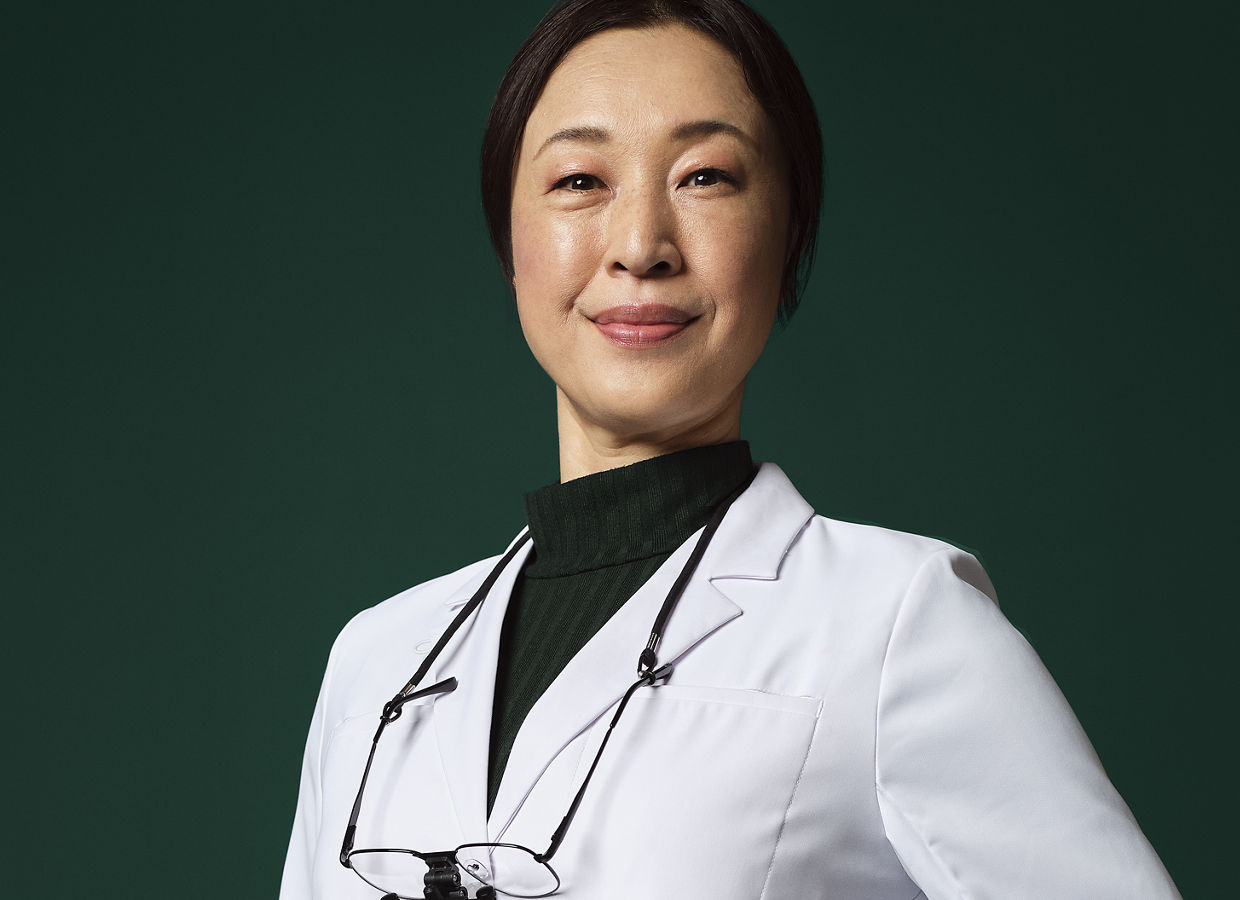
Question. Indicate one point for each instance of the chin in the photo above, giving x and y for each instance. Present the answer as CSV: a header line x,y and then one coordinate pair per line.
x,y
644,416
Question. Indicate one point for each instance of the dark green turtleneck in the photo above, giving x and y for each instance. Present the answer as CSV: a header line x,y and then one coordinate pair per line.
x,y
597,539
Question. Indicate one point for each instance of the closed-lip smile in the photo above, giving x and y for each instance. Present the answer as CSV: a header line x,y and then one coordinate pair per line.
x,y
642,324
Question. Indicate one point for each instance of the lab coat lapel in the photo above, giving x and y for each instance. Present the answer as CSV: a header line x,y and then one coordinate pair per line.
x,y
462,719
750,544
598,675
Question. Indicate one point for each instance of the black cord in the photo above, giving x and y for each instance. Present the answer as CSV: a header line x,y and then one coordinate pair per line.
x,y
649,659
474,601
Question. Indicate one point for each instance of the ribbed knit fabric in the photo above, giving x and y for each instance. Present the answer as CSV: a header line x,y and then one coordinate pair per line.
x,y
597,539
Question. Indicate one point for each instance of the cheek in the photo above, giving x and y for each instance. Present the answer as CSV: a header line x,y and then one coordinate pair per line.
x,y
551,257
548,276
746,264
769,232
529,251
765,267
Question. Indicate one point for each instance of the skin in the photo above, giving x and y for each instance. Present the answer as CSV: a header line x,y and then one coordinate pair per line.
x,y
622,197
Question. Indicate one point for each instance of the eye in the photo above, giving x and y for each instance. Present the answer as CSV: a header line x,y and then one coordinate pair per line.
x,y
578,183
704,178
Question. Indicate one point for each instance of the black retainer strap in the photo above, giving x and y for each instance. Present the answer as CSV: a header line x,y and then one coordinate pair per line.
x,y
649,659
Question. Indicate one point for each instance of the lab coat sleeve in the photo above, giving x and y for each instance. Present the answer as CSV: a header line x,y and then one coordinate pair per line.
x,y
298,882
987,785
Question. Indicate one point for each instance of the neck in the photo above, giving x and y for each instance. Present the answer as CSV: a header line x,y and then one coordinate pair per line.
x,y
587,447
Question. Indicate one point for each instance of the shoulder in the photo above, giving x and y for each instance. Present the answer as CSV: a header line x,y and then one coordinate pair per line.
x,y
860,556
855,586
409,607
380,647
840,590
895,557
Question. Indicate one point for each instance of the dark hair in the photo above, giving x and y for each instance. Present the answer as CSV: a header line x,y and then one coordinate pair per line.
x,y
770,73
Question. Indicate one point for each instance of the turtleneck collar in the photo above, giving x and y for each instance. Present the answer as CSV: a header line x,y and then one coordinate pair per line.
x,y
634,512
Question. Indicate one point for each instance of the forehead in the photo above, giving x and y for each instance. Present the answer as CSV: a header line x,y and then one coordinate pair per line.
x,y
630,79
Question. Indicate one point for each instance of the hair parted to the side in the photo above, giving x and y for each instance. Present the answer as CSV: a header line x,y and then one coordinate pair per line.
x,y
769,70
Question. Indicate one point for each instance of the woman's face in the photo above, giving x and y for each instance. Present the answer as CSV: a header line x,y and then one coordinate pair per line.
x,y
649,230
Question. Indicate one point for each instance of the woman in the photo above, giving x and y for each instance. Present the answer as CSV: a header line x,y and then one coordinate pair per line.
x,y
820,708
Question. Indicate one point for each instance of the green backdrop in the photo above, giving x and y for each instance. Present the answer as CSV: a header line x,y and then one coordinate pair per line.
x,y
260,371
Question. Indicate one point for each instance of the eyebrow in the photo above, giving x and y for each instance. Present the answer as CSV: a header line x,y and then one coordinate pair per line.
x,y
585,134
707,127
593,134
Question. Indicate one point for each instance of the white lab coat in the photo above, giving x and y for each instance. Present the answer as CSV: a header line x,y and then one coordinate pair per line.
x,y
850,716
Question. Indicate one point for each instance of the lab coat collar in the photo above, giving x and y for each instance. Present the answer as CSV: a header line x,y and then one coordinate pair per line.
x,y
774,513
462,595
750,544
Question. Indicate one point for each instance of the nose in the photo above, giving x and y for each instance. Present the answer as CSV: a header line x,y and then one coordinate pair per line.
x,y
643,239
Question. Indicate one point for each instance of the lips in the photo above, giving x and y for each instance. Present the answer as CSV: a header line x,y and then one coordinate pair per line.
x,y
642,325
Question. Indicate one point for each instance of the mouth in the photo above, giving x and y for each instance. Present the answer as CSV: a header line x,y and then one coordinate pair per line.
x,y
642,325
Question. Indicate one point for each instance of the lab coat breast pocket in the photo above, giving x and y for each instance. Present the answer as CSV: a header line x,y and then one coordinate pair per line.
x,y
693,790
406,795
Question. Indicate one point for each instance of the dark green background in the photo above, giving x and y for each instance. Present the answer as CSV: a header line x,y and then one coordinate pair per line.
x,y
259,371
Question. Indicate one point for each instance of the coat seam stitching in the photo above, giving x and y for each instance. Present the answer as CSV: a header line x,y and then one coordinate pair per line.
x,y
943,868
882,672
770,867
891,636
